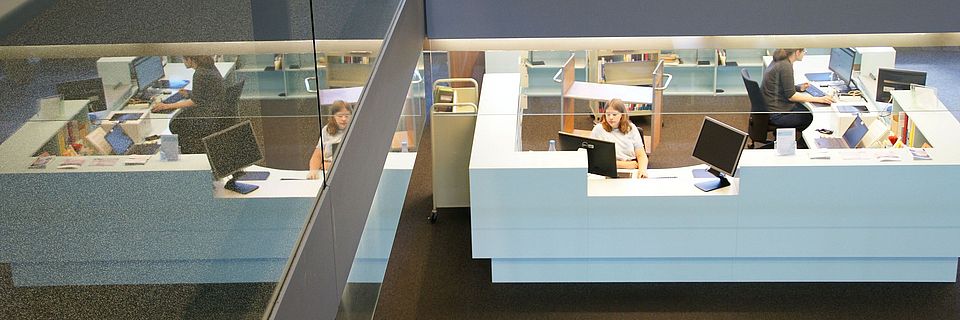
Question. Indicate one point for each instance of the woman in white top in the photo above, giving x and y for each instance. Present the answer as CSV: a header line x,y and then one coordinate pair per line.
x,y
330,134
616,127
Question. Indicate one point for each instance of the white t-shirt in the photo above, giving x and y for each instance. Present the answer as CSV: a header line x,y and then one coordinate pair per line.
x,y
326,141
626,144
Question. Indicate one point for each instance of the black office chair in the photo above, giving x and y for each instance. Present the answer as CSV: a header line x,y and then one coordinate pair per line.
x,y
193,124
760,126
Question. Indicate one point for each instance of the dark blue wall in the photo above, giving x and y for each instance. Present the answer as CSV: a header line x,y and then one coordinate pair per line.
x,y
159,21
622,18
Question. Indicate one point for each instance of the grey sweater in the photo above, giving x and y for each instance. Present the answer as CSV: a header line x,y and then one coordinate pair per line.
x,y
778,86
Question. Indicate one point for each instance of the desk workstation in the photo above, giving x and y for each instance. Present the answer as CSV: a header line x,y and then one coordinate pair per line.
x,y
540,217
166,221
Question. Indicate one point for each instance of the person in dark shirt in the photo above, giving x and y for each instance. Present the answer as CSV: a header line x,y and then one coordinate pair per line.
x,y
203,111
208,88
783,98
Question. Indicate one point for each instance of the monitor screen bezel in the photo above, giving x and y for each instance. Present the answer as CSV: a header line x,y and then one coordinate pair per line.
x,y
217,173
847,73
883,75
142,61
596,163
743,144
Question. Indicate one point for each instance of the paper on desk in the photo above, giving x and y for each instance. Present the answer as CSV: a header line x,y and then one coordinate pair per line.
x,y
136,160
104,162
856,154
888,155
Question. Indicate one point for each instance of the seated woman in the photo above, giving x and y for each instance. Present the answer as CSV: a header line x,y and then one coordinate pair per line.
x,y
330,134
617,128
783,98
203,111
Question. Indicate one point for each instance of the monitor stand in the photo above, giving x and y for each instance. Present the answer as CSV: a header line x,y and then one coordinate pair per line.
x,y
238,187
710,185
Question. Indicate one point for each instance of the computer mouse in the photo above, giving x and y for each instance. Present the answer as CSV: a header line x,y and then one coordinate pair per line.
x,y
825,131
166,92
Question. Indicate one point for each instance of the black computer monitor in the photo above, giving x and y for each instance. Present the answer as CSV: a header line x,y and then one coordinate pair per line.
x,y
86,89
148,70
230,151
841,63
897,79
601,155
720,146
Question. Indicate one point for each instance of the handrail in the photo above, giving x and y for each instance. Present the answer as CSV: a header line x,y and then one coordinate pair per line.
x,y
452,80
306,83
417,77
454,104
556,77
659,69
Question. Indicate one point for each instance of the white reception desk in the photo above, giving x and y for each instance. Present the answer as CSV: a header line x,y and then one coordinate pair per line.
x,y
538,217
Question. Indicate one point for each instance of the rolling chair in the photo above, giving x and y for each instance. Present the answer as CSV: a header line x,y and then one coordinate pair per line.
x,y
759,126
194,124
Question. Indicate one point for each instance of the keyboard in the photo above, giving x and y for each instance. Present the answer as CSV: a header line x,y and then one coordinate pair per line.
x,y
814,91
173,98
831,143
143,149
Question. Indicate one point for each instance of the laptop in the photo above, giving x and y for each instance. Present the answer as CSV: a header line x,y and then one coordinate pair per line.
x,y
851,138
123,145
118,140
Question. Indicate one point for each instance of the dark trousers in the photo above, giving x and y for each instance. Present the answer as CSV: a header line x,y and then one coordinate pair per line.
x,y
799,118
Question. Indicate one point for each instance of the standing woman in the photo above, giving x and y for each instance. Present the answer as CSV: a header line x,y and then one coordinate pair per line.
x,y
617,128
783,98
330,134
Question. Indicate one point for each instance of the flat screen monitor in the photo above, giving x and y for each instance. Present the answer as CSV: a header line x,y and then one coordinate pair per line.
x,y
601,155
720,146
86,89
230,151
148,70
897,79
841,63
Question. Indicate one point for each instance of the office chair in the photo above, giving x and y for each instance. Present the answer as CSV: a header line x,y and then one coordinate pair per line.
x,y
194,124
760,125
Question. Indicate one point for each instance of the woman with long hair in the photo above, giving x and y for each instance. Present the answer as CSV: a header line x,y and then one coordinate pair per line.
x,y
617,128
330,135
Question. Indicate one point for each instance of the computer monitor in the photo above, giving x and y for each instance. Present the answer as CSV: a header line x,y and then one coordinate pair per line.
x,y
86,89
148,70
841,63
601,155
897,79
720,146
230,151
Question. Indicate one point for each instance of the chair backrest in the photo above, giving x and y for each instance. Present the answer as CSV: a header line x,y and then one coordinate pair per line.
x,y
753,91
759,118
232,95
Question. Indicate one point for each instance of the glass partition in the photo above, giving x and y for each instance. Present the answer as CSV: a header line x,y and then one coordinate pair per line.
x,y
169,180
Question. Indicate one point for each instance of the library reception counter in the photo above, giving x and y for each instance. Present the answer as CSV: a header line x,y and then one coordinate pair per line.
x,y
109,222
539,218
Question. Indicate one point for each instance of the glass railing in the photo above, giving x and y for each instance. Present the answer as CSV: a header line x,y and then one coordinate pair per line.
x,y
171,180
376,243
